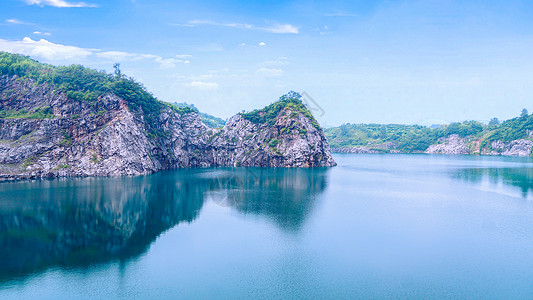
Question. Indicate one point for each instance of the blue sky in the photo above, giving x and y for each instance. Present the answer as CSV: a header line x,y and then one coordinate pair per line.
x,y
430,61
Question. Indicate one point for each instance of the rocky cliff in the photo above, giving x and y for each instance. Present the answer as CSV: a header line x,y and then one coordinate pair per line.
x,y
452,144
46,131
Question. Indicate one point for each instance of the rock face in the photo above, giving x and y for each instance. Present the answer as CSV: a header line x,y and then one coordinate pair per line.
x,y
520,147
106,137
452,144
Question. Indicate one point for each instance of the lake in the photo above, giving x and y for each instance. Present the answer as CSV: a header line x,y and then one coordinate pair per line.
x,y
375,226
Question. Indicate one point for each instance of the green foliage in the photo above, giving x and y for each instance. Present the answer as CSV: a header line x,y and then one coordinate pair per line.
x,y
273,143
408,138
268,115
463,129
39,113
494,122
67,140
60,166
207,119
28,162
94,159
512,129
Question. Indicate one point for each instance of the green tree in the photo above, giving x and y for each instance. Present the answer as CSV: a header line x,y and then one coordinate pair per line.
x,y
118,73
524,113
494,122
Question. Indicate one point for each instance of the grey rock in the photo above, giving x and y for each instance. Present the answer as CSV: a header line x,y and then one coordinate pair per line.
x,y
520,147
452,144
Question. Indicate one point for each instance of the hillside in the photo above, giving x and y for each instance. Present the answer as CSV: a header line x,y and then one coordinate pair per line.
x,y
74,121
512,137
209,120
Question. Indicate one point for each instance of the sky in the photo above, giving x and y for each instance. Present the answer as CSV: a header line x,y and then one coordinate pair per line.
x,y
411,62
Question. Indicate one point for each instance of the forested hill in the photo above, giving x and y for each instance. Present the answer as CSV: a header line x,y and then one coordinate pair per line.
x,y
416,138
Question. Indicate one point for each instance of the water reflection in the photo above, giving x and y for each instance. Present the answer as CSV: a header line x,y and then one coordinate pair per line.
x,y
500,178
81,222
284,195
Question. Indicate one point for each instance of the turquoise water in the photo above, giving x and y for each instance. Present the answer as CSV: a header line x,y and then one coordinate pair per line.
x,y
375,226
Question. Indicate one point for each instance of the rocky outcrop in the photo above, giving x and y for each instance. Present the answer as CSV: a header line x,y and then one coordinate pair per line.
x,y
452,144
520,147
43,133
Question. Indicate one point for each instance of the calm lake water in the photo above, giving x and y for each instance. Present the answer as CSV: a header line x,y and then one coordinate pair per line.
x,y
375,226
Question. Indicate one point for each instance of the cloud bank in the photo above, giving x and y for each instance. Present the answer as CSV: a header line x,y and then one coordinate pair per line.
x,y
59,3
63,53
277,28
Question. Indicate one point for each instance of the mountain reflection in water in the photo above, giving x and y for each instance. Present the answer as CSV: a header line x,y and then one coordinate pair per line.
x,y
496,178
81,222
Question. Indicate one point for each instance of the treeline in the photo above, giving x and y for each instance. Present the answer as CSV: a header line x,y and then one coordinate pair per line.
x,y
415,138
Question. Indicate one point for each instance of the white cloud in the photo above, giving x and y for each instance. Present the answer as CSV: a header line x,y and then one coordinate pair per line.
x,y
277,62
59,3
44,49
270,72
116,55
183,56
341,14
41,33
168,63
284,28
262,44
277,28
17,22
204,85
63,53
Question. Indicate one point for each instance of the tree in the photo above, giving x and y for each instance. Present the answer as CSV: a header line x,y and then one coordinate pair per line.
x,y
344,130
524,113
494,122
118,73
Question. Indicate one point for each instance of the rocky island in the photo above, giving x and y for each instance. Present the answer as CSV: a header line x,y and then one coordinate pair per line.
x,y
74,121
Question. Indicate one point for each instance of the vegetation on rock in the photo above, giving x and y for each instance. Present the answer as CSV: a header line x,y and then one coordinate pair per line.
x,y
268,115
207,119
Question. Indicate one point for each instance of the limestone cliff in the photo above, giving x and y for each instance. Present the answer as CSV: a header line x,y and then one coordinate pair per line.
x,y
452,144
45,133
